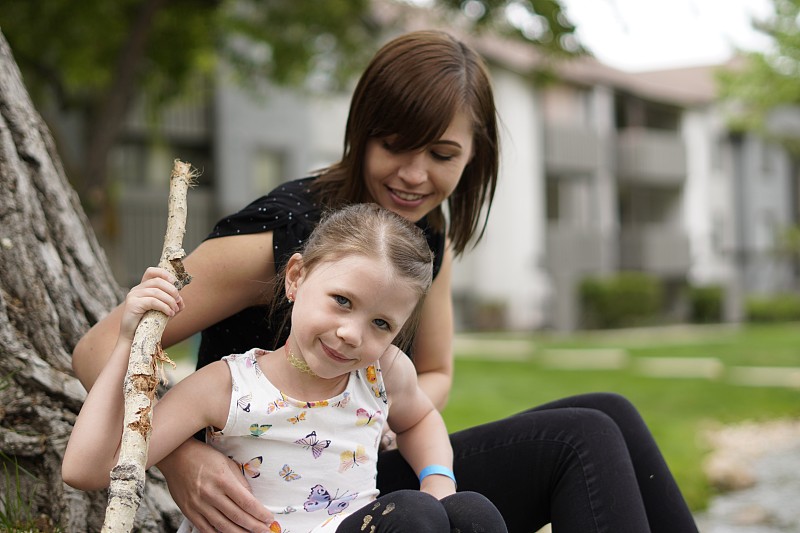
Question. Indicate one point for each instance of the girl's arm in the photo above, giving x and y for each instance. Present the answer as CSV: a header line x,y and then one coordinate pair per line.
x,y
421,433
228,275
95,439
433,343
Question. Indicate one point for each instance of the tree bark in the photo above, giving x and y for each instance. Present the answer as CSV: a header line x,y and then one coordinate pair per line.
x,y
55,282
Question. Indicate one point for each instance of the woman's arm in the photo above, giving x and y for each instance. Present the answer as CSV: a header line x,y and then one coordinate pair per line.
x,y
421,433
433,343
228,275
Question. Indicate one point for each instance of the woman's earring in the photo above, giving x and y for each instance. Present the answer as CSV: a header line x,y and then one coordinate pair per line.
x,y
290,297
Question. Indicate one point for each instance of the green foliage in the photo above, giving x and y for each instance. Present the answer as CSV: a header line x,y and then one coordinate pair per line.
x,y
770,79
778,308
705,304
72,48
93,58
624,299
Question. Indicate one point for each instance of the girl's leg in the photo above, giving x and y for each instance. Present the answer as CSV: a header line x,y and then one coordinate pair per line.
x,y
399,512
470,511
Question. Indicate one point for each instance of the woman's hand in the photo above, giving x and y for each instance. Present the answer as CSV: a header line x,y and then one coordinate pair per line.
x,y
388,440
211,492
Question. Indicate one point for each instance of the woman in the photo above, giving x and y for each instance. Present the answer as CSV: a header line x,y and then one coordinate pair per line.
x,y
422,132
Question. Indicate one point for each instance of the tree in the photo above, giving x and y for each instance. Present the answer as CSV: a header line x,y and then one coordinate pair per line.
x,y
763,82
91,58
54,283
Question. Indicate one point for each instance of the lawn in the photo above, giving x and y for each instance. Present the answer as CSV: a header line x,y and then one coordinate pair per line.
x,y
678,410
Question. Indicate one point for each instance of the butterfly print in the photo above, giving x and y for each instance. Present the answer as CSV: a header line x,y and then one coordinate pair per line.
x,y
320,498
251,362
312,442
288,474
352,459
372,374
343,402
274,406
244,402
380,392
275,527
250,468
298,418
365,418
257,430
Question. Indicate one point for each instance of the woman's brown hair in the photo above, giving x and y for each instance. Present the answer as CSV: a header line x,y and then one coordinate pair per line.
x,y
411,90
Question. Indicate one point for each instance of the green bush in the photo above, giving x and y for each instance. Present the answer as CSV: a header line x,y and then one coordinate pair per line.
x,y
779,308
622,300
705,304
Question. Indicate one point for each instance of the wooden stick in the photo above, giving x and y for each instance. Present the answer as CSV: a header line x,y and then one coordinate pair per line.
x,y
144,369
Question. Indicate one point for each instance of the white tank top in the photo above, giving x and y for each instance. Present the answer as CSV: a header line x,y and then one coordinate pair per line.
x,y
309,462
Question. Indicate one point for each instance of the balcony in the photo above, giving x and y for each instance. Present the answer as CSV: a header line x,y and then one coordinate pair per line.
x,y
651,157
570,149
661,250
576,250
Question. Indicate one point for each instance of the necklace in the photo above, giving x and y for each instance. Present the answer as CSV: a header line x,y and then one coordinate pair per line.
x,y
298,363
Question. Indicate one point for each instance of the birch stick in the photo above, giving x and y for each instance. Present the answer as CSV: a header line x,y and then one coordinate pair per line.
x,y
144,368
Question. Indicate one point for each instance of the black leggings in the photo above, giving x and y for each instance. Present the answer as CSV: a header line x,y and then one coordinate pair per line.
x,y
404,511
586,464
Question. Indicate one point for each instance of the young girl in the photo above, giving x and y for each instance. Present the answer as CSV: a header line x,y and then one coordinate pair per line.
x,y
304,422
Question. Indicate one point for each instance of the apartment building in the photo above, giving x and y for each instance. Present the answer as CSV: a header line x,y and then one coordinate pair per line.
x,y
602,171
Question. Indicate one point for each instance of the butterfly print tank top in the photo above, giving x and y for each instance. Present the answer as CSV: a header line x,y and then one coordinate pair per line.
x,y
310,462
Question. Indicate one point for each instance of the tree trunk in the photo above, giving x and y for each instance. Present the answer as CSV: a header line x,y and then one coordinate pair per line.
x,y
55,283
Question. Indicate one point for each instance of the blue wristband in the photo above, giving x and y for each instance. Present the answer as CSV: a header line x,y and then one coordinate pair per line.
x,y
436,469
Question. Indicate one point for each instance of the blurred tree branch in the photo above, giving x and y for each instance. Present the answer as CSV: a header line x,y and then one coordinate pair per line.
x,y
93,58
761,82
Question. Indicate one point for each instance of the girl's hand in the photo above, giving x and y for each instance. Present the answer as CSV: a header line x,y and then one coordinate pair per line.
x,y
156,292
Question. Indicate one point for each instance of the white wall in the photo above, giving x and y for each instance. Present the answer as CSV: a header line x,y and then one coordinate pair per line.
x,y
508,263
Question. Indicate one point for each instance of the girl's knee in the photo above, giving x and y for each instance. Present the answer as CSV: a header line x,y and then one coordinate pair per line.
x,y
409,510
472,511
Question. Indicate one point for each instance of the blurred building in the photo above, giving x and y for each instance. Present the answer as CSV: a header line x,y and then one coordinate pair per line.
x,y
602,171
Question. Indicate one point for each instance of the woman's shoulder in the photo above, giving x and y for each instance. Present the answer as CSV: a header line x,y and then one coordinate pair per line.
x,y
290,203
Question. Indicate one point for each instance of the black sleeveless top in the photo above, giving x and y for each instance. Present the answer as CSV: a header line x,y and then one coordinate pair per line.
x,y
290,212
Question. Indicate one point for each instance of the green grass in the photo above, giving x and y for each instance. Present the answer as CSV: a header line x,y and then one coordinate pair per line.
x,y
678,411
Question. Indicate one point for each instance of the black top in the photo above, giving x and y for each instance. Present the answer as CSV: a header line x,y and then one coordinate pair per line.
x,y
290,212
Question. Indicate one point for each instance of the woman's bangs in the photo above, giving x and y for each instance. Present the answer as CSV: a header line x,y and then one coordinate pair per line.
x,y
416,115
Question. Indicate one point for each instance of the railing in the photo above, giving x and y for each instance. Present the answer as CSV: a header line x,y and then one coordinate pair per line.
x,y
143,222
571,149
651,157
659,250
